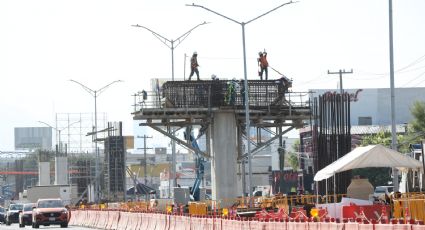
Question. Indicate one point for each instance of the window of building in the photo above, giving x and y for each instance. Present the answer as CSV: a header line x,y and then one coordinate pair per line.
x,y
365,120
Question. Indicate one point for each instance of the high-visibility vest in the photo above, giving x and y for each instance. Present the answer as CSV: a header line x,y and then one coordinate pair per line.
x,y
263,62
194,62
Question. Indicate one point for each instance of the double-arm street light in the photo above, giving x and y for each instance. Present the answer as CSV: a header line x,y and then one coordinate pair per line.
x,y
95,94
171,43
58,142
242,24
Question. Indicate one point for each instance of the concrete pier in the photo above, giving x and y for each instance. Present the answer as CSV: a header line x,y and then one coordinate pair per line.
x,y
223,161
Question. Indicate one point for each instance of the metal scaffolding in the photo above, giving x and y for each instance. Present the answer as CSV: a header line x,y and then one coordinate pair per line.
x,y
114,164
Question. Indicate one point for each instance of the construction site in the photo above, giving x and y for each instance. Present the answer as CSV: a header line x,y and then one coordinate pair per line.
x,y
218,111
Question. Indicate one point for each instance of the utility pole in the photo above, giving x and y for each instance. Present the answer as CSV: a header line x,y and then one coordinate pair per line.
x,y
340,72
392,87
145,170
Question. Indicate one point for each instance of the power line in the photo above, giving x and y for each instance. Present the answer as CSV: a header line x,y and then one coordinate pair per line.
x,y
144,155
420,75
341,72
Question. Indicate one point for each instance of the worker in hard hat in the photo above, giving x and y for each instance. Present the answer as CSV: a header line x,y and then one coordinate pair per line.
x,y
262,62
194,65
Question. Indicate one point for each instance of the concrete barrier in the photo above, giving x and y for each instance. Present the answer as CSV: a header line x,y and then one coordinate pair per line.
x,y
118,220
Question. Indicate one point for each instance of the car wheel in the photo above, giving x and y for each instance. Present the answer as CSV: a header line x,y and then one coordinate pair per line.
x,y
35,225
65,225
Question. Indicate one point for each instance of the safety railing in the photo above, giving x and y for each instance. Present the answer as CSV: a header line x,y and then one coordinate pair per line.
x,y
221,93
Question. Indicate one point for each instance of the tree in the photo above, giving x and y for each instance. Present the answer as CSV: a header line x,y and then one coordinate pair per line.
x,y
416,128
418,112
293,161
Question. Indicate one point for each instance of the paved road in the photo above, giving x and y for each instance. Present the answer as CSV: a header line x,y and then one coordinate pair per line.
x,y
16,227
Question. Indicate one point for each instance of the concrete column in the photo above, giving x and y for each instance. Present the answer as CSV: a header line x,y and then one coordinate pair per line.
x,y
224,154
43,173
61,170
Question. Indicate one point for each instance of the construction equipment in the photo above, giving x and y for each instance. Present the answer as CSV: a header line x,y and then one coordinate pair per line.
x,y
199,167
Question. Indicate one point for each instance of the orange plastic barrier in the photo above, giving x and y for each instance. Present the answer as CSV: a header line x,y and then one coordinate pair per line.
x,y
116,220
330,226
140,220
152,221
402,227
91,219
383,227
366,226
418,227
209,223
146,220
314,225
280,225
351,226
297,226
74,217
84,218
122,223
113,218
102,219
161,221
257,225
133,221
226,224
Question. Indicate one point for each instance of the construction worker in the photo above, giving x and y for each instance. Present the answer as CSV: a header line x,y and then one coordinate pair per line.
x,y
144,96
232,88
194,65
262,62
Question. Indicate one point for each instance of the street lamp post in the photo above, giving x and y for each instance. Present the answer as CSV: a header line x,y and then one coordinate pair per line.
x,y
59,143
393,120
170,44
247,121
95,94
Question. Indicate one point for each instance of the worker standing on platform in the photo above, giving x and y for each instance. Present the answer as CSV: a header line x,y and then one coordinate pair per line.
x,y
242,91
262,62
232,88
194,65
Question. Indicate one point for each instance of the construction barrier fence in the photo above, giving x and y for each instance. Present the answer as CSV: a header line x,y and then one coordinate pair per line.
x,y
122,220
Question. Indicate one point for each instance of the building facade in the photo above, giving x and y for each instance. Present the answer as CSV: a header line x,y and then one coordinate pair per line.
x,y
372,106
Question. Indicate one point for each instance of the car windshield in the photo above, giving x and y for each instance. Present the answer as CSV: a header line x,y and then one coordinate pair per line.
x,y
50,204
28,207
15,207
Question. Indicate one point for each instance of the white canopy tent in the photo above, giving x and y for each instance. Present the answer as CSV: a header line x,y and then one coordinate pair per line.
x,y
368,156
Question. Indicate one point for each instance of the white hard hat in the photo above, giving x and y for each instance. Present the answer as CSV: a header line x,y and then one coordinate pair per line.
x,y
213,76
195,53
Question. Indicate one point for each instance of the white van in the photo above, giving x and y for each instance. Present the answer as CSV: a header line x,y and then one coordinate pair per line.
x,y
381,191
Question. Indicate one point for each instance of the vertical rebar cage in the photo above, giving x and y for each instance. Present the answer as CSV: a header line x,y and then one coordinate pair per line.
x,y
204,94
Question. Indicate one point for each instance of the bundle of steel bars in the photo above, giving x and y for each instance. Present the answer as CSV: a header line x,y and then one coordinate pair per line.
x,y
332,126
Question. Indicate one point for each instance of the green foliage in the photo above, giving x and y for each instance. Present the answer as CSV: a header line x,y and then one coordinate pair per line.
x,y
381,176
376,176
296,145
384,138
293,160
418,113
416,131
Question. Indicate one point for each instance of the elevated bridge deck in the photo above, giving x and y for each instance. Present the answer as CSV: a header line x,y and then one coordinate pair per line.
x,y
190,100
